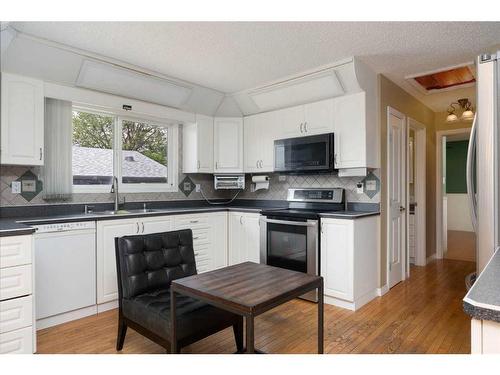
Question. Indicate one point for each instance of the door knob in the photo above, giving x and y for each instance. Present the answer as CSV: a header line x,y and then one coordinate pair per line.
x,y
401,208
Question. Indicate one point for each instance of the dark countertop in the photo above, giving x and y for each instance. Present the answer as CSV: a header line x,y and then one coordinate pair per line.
x,y
19,224
483,299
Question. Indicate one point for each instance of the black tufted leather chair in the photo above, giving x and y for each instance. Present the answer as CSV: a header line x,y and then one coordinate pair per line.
x,y
146,265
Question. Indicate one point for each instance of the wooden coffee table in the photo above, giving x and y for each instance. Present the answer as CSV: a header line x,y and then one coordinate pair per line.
x,y
248,289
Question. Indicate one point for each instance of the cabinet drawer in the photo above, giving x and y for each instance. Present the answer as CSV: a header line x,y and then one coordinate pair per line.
x,y
191,221
16,313
19,341
15,251
15,282
201,235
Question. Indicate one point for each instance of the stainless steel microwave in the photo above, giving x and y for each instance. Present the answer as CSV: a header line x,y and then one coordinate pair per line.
x,y
314,153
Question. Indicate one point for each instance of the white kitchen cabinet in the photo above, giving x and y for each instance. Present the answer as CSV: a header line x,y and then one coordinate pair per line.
x,y
485,337
22,120
17,315
155,224
259,135
209,238
198,145
107,231
244,237
351,148
228,145
308,119
349,260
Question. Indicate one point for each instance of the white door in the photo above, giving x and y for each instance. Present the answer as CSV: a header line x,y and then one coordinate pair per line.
x,y
228,145
251,238
396,183
107,231
22,120
205,141
318,117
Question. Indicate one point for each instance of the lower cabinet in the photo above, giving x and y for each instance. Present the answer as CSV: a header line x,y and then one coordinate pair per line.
x,y
485,337
349,260
244,237
17,315
209,242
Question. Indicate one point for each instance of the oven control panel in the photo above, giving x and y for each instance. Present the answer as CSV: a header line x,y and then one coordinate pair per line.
x,y
329,195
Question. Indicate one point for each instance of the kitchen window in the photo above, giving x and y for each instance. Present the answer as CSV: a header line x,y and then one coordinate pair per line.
x,y
140,152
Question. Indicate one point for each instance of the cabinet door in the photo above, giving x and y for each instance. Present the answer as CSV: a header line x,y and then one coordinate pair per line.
x,y
251,142
228,145
318,117
350,136
268,126
291,122
22,120
218,228
107,284
158,224
337,257
236,238
251,238
205,127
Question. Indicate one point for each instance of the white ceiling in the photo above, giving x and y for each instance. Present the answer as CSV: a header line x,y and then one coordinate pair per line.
x,y
234,56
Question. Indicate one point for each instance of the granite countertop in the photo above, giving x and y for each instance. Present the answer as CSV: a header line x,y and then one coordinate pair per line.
x,y
21,224
483,299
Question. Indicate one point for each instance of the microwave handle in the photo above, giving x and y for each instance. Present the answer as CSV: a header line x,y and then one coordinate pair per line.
x,y
288,222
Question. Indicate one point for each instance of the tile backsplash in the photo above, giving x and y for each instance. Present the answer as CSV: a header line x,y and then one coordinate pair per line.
x,y
277,189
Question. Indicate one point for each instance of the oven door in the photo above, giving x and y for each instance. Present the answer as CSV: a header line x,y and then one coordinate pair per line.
x,y
304,154
290,244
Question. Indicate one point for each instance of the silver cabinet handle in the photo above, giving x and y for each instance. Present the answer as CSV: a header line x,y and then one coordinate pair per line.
x,y
261,163
193,221
216,165
142,227
305,126
198,164
301,124
257,164
41,153
335,159
241,220
196,238
137,227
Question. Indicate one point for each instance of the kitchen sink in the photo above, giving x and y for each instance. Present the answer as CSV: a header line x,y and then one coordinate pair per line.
x,y
112,212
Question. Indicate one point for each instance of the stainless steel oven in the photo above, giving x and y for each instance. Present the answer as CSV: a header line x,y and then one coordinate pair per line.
x,y
314,153
291,244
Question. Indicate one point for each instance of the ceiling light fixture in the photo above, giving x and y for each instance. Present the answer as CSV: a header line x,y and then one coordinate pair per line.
x,y
467,114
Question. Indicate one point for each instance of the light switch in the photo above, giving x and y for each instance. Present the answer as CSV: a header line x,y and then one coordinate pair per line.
x,y
16,187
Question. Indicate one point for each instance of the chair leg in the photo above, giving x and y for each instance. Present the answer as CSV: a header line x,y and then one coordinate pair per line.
x,y
122,331
238,334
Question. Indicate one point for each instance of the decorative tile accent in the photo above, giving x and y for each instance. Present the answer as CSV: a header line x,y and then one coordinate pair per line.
x,y
31,186
186,186
371,185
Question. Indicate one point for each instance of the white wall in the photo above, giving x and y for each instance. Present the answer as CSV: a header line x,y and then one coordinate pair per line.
x,y
458,213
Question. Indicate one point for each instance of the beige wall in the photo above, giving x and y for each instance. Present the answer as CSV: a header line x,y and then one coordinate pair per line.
x,y
393,96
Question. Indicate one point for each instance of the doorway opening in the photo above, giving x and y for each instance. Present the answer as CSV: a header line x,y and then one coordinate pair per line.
x,y
456,239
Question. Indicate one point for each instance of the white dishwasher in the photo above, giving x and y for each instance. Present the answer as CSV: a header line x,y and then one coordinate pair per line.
x,y
65,267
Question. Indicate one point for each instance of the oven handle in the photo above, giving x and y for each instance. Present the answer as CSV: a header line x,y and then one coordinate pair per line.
x,y
308,223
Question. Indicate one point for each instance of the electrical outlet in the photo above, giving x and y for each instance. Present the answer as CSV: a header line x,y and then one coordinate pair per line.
x,y
197,188
282,178
359,188
16,187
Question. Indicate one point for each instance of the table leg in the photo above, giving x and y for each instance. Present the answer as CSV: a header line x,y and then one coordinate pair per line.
x,y
320,317
250,334
173,325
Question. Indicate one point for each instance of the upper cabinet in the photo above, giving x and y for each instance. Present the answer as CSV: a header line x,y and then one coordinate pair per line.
x,y
259,135
308,119
22,120
198,146
228,145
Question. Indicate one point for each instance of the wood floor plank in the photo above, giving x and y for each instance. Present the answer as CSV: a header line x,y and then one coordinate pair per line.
x,y
420,315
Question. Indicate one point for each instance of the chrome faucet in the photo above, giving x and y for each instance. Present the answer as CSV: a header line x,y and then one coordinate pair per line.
x,y
114,190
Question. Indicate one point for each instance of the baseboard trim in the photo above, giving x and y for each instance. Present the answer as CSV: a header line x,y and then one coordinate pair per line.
x,y
107,306
383,290
430,259
352,305
65,317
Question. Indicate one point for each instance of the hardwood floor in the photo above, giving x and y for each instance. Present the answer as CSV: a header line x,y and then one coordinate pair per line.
x,y
421,315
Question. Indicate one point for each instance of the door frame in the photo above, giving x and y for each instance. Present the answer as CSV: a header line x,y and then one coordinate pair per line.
x,y
439,184
419,180
404,250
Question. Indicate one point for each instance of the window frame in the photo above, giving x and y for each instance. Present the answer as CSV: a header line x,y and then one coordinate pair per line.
x,y
172,155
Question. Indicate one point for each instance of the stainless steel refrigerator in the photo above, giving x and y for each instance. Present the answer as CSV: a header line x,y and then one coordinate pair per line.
x,y
482,162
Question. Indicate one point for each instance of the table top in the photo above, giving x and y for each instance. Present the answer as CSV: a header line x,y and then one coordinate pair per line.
x,y
247,288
